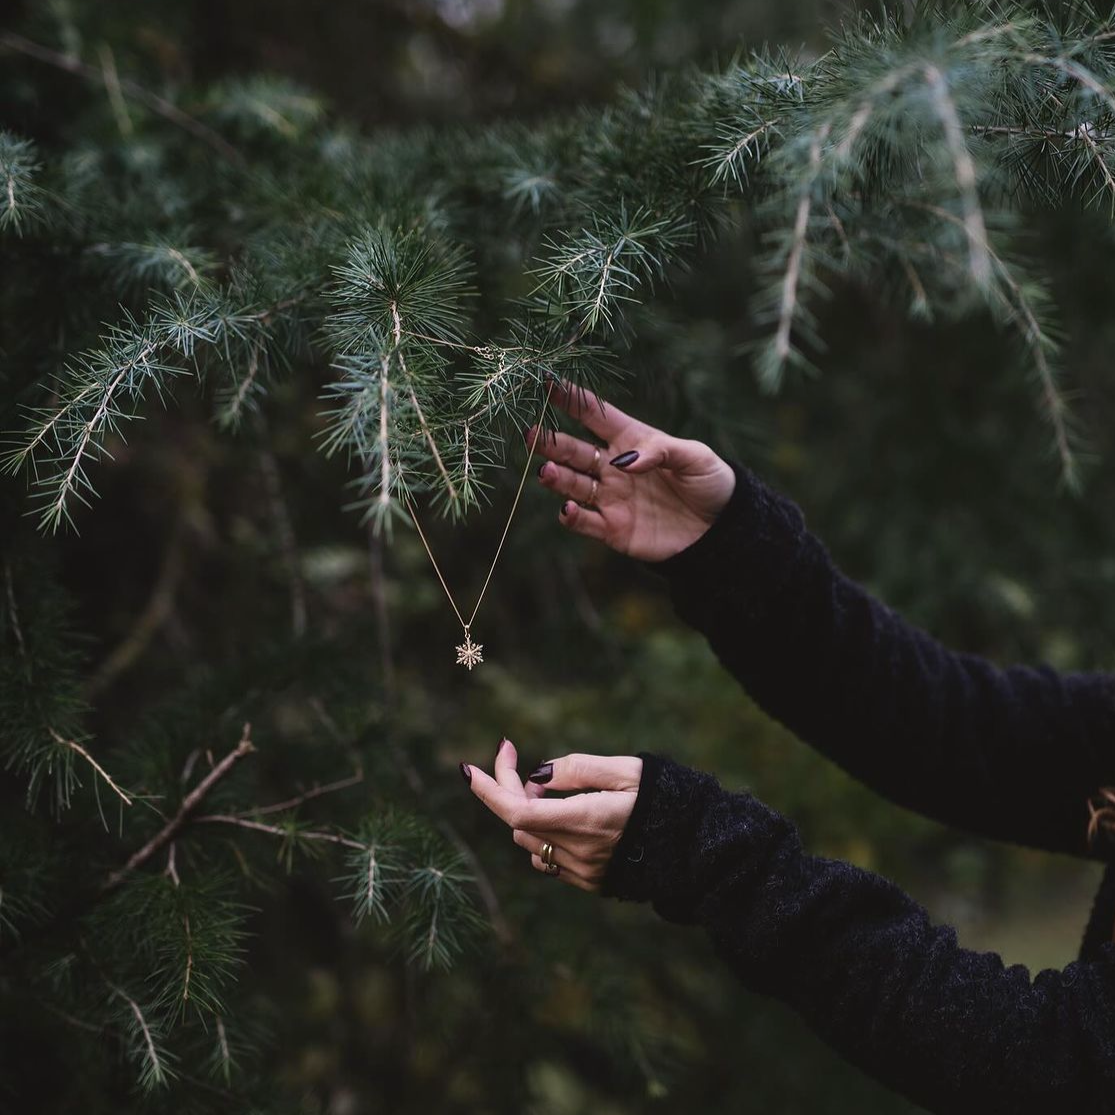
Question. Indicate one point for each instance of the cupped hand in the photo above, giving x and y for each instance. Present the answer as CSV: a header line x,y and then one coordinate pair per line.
x,y
654,494
583,828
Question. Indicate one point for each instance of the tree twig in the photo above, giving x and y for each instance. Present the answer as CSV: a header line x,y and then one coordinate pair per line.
x,y
276,830
154,614
137,92
288,542
73,745
309,795
189,803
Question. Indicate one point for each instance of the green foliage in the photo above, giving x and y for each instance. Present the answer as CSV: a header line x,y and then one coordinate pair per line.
x,y
221,294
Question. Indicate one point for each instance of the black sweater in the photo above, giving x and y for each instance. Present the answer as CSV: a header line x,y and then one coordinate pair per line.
x,y
1012,753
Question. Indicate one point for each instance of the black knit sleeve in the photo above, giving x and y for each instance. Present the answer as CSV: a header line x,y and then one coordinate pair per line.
x,y
1010,753
951,1029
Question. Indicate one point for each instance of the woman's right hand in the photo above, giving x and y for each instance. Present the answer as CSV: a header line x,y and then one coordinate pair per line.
x,y
655,494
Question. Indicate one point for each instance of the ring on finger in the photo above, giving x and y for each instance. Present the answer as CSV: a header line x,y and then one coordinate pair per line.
x,y
595,461
592,494
546,855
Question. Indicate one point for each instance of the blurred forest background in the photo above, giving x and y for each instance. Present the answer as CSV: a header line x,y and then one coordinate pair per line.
x,y
219,579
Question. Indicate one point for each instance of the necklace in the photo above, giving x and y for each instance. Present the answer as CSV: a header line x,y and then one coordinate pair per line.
x,y
470,654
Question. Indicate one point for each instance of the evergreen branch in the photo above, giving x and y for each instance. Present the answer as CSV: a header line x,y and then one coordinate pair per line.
x,y
789,300
288,542
73,745
293,803
974,224
56,511
1084,133
275,830
13,612
156,1070
145,97
397,336
115,93
21,202
189,803
1079,73
154,614
866,107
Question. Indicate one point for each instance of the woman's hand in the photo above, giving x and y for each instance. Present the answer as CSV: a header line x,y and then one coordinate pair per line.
x,y
584,829
654,494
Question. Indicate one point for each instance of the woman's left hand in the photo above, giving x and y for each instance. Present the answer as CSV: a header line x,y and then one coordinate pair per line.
x,y
584,829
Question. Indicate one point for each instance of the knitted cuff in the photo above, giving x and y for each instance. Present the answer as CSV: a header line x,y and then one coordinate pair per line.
x,y
652,862
749,551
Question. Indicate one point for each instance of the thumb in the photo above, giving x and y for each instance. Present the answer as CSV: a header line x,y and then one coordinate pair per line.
x,y
590,772
675,454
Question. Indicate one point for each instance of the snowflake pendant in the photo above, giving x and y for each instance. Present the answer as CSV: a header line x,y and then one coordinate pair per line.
x,y
468,653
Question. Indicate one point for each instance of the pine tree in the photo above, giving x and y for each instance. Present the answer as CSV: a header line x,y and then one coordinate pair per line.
x,y
202,288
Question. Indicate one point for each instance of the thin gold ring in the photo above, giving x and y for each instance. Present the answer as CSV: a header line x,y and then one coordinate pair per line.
x,y
592,494
595,461
547,853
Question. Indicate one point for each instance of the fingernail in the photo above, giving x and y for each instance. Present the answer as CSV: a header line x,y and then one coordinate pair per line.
x,y
565,507
625,459
499,746
543,774
542,469
466,774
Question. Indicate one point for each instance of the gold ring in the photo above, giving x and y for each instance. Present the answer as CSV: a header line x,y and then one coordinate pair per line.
x,y
595,461
547,853
553,869
592,494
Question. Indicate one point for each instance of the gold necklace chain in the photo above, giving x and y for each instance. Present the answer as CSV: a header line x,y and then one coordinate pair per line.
x,y
469,653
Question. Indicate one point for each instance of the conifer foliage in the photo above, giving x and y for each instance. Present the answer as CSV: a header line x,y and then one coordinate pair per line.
x,y
218,250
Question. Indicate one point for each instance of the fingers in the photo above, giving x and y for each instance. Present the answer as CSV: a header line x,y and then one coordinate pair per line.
x,y
566,482
676,454
533,844
564,875
590,772
521,811
565,449
581,520
506,767
603,419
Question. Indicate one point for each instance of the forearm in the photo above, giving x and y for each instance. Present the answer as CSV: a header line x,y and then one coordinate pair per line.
x,y
952,1029
1013,753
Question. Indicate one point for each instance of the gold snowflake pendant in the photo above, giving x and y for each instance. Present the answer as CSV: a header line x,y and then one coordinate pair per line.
x,y
468,653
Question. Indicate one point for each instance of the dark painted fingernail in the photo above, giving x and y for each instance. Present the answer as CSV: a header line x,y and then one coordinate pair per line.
x,y
625,459
565,507
542,468
466,774
543,774
502,741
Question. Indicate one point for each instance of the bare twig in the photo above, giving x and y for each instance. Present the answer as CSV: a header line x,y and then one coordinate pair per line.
x,y
73,745
13,612
134,90
189,803
154,614
288,542
276,830
171,869
309,795
112,88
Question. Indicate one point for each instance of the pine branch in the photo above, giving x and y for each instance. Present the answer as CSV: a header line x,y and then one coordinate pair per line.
x,y
189,803
965,176
155,103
